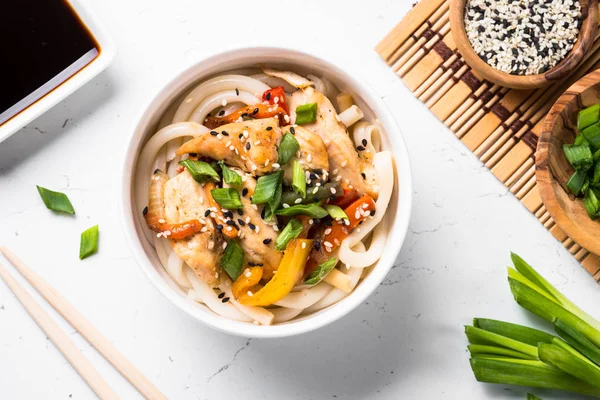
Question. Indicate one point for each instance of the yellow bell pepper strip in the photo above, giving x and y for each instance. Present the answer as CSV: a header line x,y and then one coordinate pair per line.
x,y
288,274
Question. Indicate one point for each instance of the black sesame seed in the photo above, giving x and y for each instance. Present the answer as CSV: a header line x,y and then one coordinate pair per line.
x,y
364,142
292,130
313,176
269,128
225,300
241,222
360,148
255,111
156,171
145,210
248,146
363,175
244,191
206,213
240,212
214,133
317,245
251,264
263,213
259,264
241,135
267,241
221,295
230,222
193,155
268,96
372,213
228,214
237,92
251,226
219,227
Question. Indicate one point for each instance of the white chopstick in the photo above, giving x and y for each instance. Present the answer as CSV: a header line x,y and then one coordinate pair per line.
x,y
82,325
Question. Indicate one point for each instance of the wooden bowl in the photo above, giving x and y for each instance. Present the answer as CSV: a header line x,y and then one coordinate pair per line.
x,y
587,33
552,169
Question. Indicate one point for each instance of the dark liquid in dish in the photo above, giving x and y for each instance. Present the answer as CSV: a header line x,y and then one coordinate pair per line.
x,y
42,44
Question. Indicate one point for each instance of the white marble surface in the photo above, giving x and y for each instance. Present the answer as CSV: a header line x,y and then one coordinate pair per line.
x,y
406,341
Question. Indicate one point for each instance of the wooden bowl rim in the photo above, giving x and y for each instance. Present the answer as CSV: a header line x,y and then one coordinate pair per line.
x,y
457,27
544,177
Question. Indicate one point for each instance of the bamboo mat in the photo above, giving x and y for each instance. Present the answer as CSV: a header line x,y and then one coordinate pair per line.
x,y
501,126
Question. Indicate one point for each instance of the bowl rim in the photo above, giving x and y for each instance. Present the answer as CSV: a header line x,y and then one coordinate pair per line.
x,y
571,61
398,228
544,176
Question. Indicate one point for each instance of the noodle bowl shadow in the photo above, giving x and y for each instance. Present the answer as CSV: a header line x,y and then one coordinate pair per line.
x,y
397,214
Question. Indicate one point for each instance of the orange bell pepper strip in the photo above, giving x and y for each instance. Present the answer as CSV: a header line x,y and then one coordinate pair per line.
x,y
277,93
349,195
230,233
257,111
329,238
289,272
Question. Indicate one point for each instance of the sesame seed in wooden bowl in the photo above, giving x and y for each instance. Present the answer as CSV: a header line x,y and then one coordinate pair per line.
x,y
553,170
520,32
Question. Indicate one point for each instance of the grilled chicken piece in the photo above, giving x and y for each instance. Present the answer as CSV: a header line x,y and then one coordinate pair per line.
x,y
313,153
343,157
249,145
257,237
185,199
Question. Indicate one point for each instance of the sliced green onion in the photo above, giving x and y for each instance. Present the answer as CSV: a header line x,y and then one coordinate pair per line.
x,y
479,336
592,134
595,173
321,271
200,170
527,373
578,341
580,139
56,201
287,149
588,116
291,231
266,187
232,259
532,397
596,155
89,242
313,194
576,182
306,113
230,177
579,156
591,203
312,210
517,332
273,204
579,367
335,212
299,179
227,198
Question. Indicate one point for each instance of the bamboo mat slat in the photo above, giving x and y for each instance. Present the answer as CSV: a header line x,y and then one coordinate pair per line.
x,y
499,125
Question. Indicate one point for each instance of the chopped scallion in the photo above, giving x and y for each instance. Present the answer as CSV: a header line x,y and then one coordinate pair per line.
x,y
287,149
335,212
591,204
579,156
588,116
576,182
266,187
227,198
306,113
291,231
298,179
232,259
313,210
55,201
200,170
580,139
230,177
88,244
592,135
321,271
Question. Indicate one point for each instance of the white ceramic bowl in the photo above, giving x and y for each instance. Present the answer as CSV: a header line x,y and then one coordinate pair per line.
x,y
398,212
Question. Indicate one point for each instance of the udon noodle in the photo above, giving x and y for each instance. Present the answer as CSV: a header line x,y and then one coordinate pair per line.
x,y
196,233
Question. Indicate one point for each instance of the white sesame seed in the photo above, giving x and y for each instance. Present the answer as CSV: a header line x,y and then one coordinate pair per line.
x,y
285,205
298,200
224,102
344,163
211,245
224,245
309,158
303,245
333,191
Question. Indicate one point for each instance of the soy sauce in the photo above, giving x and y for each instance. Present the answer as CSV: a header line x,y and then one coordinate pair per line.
x,y
42,44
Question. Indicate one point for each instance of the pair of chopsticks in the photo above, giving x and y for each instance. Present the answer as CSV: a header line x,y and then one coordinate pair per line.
x,y
83,326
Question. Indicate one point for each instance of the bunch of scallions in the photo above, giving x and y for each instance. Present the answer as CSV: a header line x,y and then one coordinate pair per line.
x,y
507,353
